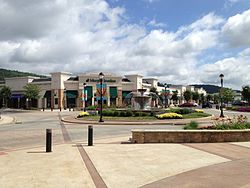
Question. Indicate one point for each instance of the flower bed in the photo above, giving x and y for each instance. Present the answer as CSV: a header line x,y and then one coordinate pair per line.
x,y
82,114
170,115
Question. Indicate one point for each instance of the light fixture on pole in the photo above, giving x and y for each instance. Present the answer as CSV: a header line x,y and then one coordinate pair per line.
x,y
101,76
65,102
165,95
221,91
84,97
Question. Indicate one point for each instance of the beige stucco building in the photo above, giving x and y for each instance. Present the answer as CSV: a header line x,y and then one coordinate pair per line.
x,y
63,90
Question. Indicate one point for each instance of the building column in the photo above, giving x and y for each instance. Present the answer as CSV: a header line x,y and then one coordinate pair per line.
x,y
119,98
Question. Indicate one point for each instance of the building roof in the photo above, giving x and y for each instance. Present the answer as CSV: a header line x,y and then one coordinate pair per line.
x,y
125,80
73,78
42,80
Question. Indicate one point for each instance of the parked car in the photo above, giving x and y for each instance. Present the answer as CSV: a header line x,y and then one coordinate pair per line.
x,y
188,104
206,105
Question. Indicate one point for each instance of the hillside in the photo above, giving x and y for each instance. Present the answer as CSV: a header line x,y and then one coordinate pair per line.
x,y
209,88
4,73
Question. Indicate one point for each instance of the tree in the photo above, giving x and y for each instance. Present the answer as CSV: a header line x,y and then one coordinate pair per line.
x,y
246,93
216,98
154,90
5,94
187,95
209,97
175,96
31,92
227,95
195,96
202,98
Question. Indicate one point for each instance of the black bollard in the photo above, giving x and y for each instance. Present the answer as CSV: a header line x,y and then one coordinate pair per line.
x,y
60,109
43,109
90,135
48,140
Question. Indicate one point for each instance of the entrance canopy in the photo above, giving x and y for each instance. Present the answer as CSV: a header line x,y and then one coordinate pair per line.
x,y
16,96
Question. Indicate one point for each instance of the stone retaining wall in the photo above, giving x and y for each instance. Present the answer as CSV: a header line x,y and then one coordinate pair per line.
x,y
189,136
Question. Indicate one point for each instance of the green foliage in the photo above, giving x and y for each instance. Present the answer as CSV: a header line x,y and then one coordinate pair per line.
x,y
91,108
227,95
195,96
107,113
32,91
129,113
5,92
116,113
181,110
154,90
226,126
187,95
175,96
216,98
246,93
4,73
122,114
191,125
195,115
209,97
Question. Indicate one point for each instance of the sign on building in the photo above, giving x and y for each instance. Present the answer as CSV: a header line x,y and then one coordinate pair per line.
x,y
98,91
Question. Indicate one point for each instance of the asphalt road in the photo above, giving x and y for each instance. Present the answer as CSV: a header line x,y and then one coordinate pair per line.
x,y
31,126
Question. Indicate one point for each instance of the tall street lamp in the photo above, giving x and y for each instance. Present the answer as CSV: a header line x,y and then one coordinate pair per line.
x,y
84,97
165,94
101,76
65,102
221,90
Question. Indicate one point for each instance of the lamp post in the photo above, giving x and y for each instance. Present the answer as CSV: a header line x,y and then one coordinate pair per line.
x,y
165,96
65,102
84,97
101,76
221,101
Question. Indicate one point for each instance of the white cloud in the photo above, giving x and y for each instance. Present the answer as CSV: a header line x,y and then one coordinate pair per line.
x,y
237,29
154,23
82,35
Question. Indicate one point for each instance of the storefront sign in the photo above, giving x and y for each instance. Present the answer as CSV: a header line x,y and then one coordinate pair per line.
x,y
98,80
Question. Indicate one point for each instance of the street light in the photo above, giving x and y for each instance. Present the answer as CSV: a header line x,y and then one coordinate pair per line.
x,y
165,94
101,76
84,96
65,102
221,102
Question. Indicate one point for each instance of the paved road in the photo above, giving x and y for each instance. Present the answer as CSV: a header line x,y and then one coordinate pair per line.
x,y
30,130
228,113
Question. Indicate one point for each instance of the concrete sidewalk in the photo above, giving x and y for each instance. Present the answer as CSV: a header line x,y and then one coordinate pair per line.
x,y
126,165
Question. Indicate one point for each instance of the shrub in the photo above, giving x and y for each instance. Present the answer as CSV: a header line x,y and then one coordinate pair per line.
x,y
169,116
91,108
181,110
122,114
136,114
82,114
107,113
243,109
129,113
143,114
191,125
116,113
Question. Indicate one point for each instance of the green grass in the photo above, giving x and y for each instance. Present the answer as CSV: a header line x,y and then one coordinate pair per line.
x,y
195,115
192,125
233,126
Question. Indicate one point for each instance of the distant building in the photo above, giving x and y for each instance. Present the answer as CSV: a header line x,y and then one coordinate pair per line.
x,y
64,90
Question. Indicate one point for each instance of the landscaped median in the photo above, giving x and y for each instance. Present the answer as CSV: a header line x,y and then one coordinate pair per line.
x,y
128,117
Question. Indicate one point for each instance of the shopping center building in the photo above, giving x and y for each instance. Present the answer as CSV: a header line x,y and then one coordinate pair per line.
x,y
62,90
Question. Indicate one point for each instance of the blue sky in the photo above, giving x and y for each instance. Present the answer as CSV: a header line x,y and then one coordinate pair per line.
x,y
176,41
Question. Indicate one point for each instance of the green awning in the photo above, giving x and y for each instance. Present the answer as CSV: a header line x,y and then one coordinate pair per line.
x,y
47,94
71,94
125,93
113,92
89,91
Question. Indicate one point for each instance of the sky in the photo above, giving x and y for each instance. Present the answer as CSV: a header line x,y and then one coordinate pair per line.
x,y
176,41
